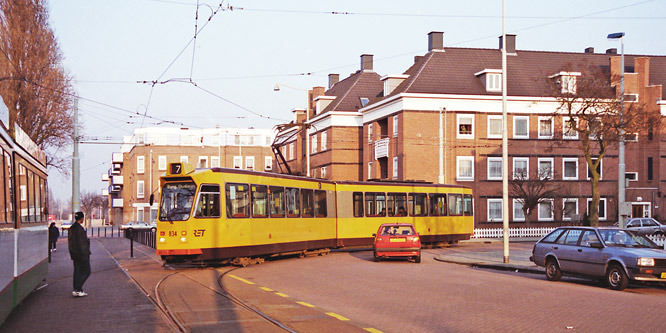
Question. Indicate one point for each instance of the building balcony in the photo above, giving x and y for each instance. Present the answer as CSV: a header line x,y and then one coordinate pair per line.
x,y
117,158
116,180
117,203
381,148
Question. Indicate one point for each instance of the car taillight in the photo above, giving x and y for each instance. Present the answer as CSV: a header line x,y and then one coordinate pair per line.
x,y
416,239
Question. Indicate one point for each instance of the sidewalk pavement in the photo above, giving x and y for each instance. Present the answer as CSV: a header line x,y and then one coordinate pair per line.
x,y
489,253
114,302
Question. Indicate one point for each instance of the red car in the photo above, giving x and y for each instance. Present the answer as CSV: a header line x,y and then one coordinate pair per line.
x,y
397,240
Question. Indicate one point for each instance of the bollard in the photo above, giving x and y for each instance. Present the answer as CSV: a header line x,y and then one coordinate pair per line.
x,y
131,234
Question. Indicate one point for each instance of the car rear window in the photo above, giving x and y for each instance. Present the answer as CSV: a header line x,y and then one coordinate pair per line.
x,y
550,238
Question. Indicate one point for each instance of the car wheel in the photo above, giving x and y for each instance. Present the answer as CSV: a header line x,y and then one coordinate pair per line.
x,y
417,259
553,272
376,257
616,277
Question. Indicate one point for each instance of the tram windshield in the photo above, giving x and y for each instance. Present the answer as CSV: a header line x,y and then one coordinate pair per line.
x,y
176,202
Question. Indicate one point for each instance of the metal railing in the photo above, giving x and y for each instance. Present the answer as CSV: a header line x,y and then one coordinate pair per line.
x,y
145,237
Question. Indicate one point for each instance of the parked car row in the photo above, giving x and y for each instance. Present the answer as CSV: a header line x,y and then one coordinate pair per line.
x,y
646,226
139,225
614,255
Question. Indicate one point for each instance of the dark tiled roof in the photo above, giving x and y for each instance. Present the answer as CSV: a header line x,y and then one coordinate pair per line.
x,y
349,91
452,71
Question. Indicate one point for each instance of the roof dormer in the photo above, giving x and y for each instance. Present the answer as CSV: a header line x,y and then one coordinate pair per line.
x,y
391,82
566,81
491,79
321,102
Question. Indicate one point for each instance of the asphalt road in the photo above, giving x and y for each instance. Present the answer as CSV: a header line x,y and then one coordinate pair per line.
x,y
401,296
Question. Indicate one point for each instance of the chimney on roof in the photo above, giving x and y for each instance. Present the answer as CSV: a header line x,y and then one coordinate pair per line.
x,y
611,51
510,43
333,79
589,50
435,41
366,62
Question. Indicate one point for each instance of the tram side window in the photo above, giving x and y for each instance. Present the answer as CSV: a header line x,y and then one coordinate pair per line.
x,y
396,204
23,193
467,202
358,204
277,201
418,204
237,196
320,203
308,202
437,204
259,201
208,204
293,202
455,204
375,204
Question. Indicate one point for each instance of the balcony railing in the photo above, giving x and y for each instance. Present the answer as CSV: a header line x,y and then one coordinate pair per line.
x,y
381,148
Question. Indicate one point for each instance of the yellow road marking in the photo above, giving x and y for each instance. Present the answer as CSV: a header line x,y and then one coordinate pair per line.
x,y
306,304
337,316
281,294
370,329
241,279
266,289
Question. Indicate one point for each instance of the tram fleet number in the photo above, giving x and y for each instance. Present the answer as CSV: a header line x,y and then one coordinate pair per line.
x,y
197,233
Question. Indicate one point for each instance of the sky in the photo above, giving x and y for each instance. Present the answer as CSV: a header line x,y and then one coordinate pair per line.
x,y
137,63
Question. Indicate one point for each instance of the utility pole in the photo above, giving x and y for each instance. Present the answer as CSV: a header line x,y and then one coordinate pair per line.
x,y
76,163
505,149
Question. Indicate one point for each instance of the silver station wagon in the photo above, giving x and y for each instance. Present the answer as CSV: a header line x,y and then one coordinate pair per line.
x,y
615,255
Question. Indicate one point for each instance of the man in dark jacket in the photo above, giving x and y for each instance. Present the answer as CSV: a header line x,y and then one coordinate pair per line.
x,y
79,251
53,236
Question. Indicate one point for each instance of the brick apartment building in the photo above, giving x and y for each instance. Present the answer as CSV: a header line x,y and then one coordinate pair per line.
x,y
144,156
372,127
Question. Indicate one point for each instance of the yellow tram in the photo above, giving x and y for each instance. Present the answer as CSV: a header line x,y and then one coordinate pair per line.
x,y
222,214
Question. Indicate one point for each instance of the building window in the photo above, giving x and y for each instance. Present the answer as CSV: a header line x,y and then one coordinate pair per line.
x,y
140,164
570,209
569,168
494,82
314,144
568,84
162,162
545,168
395,167
238,162
495,210
521,126
631,176
369,170
649,168
568,131
369,133
465,168
323,172
214,161
249,162
395,126
521,168
465,126
602,208
268,163
518,214
291,151
494,168
184,159
495,127
546,210
599,169
323,141
140,189
203,162
139,214
545,127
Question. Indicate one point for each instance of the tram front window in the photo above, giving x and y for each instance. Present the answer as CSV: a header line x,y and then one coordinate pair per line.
x,y
176,202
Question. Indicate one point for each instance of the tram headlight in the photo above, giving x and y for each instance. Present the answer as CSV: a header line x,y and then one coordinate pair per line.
x,y
162,239
183,239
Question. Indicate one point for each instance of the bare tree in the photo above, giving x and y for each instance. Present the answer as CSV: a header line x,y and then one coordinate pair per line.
x,y
89,202
33,84
591,107
530,192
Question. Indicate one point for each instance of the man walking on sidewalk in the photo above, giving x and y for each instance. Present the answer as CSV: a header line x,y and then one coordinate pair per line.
x,y
79,251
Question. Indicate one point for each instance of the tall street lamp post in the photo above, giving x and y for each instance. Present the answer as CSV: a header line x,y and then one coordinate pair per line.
x,y
621,167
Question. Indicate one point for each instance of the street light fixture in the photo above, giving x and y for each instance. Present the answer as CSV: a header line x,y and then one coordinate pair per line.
x,y
621,166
